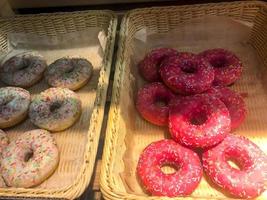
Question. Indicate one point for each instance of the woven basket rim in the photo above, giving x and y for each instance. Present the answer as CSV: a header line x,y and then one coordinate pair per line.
x,y
107,188
74,190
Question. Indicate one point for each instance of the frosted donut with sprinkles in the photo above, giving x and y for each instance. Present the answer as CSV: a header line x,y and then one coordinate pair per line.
x,y
30,159
55,109
199,121
152,103
72,73
246,182
150,65
22,69
14,104
167,152
187,73
227,66
234,103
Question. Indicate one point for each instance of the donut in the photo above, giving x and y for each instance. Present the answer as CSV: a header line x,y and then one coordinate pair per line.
x,y
22,69
55,109
149,66
234,103
30,159
199,121
227,66
187,73
152,103
245,182
167,152
14,104
72,73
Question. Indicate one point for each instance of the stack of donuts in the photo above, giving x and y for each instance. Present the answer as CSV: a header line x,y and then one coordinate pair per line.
x,y
33,156
189,94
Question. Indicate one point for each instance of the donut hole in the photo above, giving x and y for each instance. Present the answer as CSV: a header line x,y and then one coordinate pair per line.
x,y
55,106
24,64
70,69
219,62
169,168
189,67
234,163
161,101
28,155
199,118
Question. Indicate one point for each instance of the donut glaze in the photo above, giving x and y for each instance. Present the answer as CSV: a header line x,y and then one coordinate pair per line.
x,y
167,152
246,182
199,121
72,73
234,103
227,66
55,109
14,104
148,105
4,141
187,74
30,159
22,69
150,65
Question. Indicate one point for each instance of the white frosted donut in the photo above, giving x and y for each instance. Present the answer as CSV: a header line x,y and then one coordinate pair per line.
x,y
30,159
72,73
55,109
14,104
22,69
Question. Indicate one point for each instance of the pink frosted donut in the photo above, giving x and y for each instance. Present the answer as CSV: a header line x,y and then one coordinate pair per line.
x,y
246,182
149,66
23,69
167,152
187,73
30,159
148,103
234,103
227,66
199,121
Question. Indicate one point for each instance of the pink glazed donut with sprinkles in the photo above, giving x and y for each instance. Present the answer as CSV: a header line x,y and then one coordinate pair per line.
x,y
248,181
199,121
187,73
150,65
30,159
167,152
152,103
55,109
227,66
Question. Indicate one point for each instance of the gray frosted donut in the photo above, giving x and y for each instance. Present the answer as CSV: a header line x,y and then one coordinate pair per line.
x,y
72,73
14,104
55,109
22,69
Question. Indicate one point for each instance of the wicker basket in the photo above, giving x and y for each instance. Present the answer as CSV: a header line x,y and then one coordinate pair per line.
x,y
78,144
127,133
